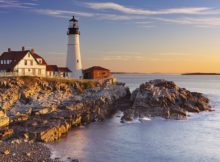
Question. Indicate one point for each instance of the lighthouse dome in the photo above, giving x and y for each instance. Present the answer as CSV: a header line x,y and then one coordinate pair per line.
x,y
73,19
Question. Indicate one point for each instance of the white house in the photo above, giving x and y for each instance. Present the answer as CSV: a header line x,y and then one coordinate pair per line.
x,y
28,63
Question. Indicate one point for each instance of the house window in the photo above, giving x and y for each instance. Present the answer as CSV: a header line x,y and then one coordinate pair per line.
x,y
39,71
29,70
40,61
4,61
33,71
8,61
23,71
31,62
1,61
25,62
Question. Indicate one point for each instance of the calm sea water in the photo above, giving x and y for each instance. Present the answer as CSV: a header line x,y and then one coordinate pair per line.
x,y
196,139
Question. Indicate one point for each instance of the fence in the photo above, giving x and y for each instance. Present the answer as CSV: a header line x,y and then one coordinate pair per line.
x,y
8,74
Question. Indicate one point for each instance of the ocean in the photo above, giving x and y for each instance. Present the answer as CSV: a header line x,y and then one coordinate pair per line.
x,y
196,139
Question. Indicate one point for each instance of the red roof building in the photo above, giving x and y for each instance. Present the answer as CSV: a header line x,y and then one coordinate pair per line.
x,y
96,72
28,63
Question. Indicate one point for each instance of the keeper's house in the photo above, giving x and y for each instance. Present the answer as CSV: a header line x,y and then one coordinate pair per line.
x,y
28,63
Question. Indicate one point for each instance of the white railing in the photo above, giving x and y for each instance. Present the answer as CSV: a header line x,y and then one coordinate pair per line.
x,y
8,74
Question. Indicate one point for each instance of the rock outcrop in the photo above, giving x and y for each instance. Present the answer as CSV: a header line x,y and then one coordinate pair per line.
x,y
164,99
43,109
4,119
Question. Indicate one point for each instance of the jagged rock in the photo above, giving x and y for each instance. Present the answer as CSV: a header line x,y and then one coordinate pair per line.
x,y
44,109
6,133
165,99
4,119
128,115
6,152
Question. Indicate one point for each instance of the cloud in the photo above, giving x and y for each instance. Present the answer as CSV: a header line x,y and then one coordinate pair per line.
x,y
100,16
133,57
62,13
115,17
136,11
16,4
142,17
201,21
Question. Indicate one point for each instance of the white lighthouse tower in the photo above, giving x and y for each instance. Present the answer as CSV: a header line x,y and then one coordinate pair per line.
x,y
73,61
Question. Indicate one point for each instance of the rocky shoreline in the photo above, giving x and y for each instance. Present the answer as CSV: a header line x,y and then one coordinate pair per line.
x,y
43,110
37,110
20,150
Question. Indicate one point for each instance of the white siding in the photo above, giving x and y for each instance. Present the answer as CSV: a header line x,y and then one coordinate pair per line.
x,y
28,66
52,74
73,61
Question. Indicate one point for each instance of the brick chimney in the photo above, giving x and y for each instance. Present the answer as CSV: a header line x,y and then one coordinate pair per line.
x,y
23,48
9,49
32,50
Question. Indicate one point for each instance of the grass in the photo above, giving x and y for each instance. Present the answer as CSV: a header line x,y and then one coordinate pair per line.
x,y
82,83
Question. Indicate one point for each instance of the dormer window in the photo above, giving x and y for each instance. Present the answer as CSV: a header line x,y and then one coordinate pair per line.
x,y
25,62
40,61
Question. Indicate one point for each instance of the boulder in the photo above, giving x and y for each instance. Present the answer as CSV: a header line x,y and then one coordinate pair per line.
x,y
165,99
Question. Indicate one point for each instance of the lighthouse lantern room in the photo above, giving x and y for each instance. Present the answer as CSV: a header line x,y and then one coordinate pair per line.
x,y
73,61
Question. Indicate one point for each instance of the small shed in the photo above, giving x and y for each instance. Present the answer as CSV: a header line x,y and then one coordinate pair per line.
x,y
64,72
96,72
52,70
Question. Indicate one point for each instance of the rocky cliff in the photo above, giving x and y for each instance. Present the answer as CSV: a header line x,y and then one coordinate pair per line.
x,y
43,109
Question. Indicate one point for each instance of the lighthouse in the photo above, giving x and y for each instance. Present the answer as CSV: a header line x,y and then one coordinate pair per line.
x,y
73,61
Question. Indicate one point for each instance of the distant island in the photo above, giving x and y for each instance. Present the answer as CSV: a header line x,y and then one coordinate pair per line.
x,y
200,74
133,73
127,73
197,73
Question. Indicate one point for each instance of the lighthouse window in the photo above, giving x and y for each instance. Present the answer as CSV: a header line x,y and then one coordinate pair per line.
x,y
77,61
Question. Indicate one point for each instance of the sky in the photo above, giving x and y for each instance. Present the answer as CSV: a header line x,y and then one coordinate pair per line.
x,y
146,36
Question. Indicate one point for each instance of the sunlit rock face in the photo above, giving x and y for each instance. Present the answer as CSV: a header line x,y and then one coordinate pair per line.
x,y
4,119
165,99
44,109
